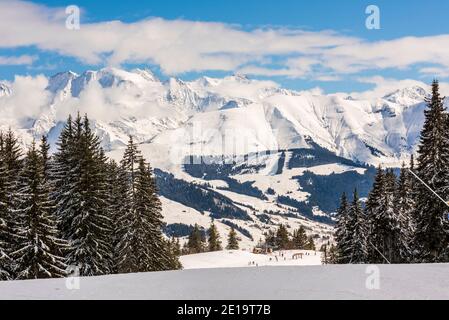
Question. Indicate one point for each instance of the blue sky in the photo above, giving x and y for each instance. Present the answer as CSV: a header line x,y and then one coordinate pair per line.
x,y
334,70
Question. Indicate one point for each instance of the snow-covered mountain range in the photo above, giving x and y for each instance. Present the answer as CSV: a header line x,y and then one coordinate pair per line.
x,y
266,150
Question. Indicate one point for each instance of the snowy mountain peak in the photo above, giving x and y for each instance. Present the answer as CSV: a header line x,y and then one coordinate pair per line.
x,y
407,95
147,74
256,113
239,77
60,81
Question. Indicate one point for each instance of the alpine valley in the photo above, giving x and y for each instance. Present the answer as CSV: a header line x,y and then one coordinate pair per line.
x,y
246,153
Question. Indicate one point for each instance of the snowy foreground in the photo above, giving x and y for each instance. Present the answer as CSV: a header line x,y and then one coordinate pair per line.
x,y
286,282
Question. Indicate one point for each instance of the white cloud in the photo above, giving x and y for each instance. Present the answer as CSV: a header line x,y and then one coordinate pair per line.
x,y
179,46
19,60
27,100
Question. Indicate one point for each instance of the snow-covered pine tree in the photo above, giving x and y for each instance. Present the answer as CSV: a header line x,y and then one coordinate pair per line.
x,y
37,249
118,204
358,247
233,242
431,237
81,196
44,150
6,233
142,247
125,257
214,243
403,206
343,233
130,163
148,205
10,166
390,226
374,211
62,177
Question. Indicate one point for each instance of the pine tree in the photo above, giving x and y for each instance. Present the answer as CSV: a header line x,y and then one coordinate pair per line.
x,y
403,208
38,247
141,246
282,238
6,232
343,233
432,227
130,162
233,242
44,150
270,238
310,244
299,239
358,246
195,243
374,211
81,195
147,202
10,167
214,238
332,255
174,253
391,245
118,204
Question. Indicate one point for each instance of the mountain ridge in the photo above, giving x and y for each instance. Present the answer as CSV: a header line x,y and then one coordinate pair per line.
x,y
265,155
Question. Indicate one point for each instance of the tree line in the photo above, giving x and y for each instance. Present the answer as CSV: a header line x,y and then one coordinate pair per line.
x,y
78,209
403,220
281,239
199,241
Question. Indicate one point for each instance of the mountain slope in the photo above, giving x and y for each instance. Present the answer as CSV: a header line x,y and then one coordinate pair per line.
x,y
241,151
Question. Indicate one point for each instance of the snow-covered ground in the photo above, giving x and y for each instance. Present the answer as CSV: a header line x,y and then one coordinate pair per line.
x,y
241,258
293,282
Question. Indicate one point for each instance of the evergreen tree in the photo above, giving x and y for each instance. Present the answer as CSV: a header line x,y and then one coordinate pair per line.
x,y
118,204
37,253
310,244
142,247
130,163
45,157
214,238
174,251
432,227
299,239
282,238
270,238
81,195
374,212
6,232
233,242
343,233
403,207
10,167
332,255
391,246
195,243
358,246
175,246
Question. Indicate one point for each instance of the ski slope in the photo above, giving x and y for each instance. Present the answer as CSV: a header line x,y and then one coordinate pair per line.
x,y
275,283
240,258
